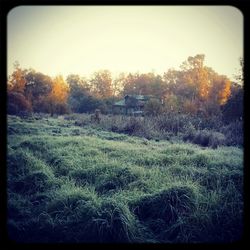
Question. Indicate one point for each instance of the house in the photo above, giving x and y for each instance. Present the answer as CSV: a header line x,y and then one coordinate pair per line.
x,y
130,105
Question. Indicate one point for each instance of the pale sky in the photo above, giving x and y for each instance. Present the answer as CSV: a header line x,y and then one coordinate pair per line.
x,y
83,39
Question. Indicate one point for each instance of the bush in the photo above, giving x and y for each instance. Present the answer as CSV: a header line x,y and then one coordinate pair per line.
x,y
205,138
153,107
132,126
234,133
17,103
233,109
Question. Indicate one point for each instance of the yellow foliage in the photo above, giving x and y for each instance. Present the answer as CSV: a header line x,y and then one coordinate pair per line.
x,y
17,81
60,90
204,87
225,92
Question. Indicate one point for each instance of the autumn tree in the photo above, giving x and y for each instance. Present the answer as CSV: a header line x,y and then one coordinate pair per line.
x,y
194,75
197,87
16,91
57,98
223,89
17,80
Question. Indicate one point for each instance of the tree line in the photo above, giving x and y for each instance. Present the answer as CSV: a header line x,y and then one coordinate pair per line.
x,y
193,89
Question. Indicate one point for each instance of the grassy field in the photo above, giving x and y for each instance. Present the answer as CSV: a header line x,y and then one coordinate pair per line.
x,y
69,183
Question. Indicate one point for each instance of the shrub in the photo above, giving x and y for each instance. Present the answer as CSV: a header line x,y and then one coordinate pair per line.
x,y
205,138
153,107
132,126
217,139
17,102
234,133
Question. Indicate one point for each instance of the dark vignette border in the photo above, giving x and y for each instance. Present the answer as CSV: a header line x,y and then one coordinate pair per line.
x,y
5,7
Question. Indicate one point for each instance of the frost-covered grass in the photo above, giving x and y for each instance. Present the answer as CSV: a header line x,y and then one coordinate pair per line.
x,y
69,183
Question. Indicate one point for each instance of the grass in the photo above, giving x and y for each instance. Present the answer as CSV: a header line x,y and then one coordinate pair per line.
x,y
71,183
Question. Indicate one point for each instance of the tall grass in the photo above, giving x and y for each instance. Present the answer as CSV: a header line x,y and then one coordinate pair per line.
x,y
100,186
209,132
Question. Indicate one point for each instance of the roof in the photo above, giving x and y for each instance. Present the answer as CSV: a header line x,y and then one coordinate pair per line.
x,y
120,103
138,97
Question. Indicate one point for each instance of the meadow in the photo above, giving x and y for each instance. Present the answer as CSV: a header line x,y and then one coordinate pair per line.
x,y
69,180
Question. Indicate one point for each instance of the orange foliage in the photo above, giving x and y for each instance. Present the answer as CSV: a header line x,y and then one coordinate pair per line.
x,y
204,87
17,81
225,91
60,91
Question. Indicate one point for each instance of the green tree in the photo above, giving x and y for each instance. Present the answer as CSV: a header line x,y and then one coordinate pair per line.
x,y
144,84
79,90
38,87
101,84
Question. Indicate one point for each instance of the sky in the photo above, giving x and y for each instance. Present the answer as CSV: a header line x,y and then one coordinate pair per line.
x,y
83,39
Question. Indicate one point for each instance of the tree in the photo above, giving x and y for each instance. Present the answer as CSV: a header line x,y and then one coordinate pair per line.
x,y
17,80
57,98
195,76
101,84
233,109
220,89
38,87
197,86
144,84
239,77
79,90
118,85
90,103
171,103
16,84
190,107
17,103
